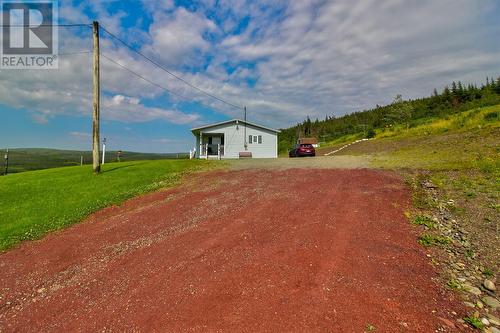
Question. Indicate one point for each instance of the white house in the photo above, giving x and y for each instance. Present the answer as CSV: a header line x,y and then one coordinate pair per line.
x,y
236,138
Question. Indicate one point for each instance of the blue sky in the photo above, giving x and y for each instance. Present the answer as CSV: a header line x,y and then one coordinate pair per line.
x,y
284,60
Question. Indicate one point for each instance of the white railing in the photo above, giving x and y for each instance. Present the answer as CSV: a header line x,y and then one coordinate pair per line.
x,y
212,150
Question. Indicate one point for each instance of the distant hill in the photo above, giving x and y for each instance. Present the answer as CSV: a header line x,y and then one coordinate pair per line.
x,y
457,98
25,159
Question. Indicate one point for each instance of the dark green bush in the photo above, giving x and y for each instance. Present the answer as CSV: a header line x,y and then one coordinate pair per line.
x,y
491,116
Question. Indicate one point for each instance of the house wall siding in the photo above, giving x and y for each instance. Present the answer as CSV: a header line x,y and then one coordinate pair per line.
x,y
234,140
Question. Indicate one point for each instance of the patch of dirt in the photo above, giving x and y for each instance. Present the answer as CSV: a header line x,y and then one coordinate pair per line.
x,y
318,162
252,250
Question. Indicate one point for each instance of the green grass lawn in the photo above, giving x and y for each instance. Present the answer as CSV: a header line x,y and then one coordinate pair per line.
x,y
36,202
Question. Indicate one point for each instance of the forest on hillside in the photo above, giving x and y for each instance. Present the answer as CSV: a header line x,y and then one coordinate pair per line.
x,y
455,98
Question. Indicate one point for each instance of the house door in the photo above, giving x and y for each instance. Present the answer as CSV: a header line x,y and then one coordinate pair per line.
x,y
216,140
213,144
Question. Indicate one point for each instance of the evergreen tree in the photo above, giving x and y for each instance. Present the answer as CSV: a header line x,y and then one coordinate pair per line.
x,y
454,89
461,92
497,86
307,127
446,93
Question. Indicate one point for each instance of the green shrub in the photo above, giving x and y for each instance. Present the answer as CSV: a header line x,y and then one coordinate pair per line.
x,y
488,165
474,322
453,284
423,220
430,240
488,272
491,116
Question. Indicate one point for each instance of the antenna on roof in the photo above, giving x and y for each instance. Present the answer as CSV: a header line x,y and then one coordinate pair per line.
x,y
245,118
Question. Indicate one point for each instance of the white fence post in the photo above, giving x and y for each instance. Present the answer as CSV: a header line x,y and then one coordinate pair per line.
x,y
218,150
206,151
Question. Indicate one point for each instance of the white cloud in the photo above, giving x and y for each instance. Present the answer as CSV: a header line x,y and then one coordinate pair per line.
x,y
344,56
129,109
80,135
176,35
119,100
291,60
68,91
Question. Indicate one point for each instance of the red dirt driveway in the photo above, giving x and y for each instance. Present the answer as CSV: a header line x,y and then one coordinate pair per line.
x,y
237,251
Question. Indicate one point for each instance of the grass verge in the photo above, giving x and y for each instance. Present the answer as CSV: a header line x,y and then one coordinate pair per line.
x,y
37,202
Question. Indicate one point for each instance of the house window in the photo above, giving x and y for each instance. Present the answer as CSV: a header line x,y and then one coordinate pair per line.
x,y
249,139
260,138
255,138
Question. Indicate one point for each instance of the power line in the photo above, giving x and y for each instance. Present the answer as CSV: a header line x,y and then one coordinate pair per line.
x,y
169,72
139,53
44,25
140,76
74,53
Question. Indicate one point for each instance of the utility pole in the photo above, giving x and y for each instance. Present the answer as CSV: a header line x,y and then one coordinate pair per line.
x,y
6,162
245,118
96,102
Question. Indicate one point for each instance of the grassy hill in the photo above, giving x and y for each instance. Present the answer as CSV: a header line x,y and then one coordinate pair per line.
x,y
25,159
36,202
407,114
467,140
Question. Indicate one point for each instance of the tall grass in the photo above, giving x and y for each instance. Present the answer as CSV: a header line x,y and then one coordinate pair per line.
x,y
473,119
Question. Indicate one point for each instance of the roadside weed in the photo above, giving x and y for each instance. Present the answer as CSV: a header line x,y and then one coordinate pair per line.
x,y
370,328
453,284
474,322
423,220
430,240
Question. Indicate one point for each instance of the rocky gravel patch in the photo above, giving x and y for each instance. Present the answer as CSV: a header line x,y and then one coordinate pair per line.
x,y
462,269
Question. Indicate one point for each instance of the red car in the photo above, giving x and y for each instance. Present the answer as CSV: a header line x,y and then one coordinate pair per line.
x,y
304,149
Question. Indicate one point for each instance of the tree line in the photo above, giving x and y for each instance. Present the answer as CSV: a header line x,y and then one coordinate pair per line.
x,y
452,99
